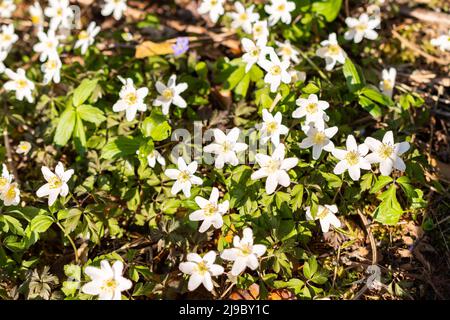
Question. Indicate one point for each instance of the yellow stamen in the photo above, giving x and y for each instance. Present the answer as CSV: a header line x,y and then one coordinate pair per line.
x,y
352,158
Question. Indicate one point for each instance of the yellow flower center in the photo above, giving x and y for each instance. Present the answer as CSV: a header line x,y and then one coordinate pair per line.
x,y
131,98
385,151
322,214
167,94
352,158
35,19
184,176
273,165
11,193
3,182
243,16
334,49
387,84
55,182
83,35
21,83
257,30
6,37
361,27
311,108
51,64
202,267
275,70
24,147
254,52
59,12
272,127
109,285
281,7
287,51
246,250
319,138
209,210
214,2
227,146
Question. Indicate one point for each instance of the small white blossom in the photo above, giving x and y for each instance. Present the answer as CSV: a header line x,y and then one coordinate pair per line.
x,y
56,183
3,55
254,52
331,52
11,195
170,94
86,37
297,75
276,71
287,51
154,156
260,31
47,45
312,109
5,179
443,42
319,138
52,70
387,153
184,176
279,10
213,7
326,216
211,211
106,282
271,128
243,18
114,7
352,159
388,82
225,147
20,84
60,14
36,14
131,100
201,270
23,148
7,37
275,168
7,8
360,28
244,254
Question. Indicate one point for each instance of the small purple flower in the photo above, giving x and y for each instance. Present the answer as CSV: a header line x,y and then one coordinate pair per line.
x,y
181,46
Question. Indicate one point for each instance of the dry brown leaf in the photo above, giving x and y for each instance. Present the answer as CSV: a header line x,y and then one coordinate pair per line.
x,y
281,294
442,169
149,49
251,294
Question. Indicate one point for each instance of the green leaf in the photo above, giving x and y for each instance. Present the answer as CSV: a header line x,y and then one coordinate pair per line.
x,y
120,147
156,127
91,114
41,223
83,91
235,77
71,218
79,136
352,76
366,181
381,183
65,127
310,267
333,180
327,8
297,197
375,95
389,211
370,106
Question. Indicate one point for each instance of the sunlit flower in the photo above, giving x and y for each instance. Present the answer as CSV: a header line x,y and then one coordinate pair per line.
x,y
271,128
7,37
387,153
388,81
260,30
11,195
114,7
213,7
244,254
276,71
5,179
275,168
184,177
360,28
106,282
319,138
243,18
254,52
351,159
225,147
297,75
23,148
36,14
170,94
312,109
331,52
201,270
87,37
52,70
60,13
20,84
56,183
3,55
279,10
326,216
287,51
154,156
7,8
210,212
131,100
443,42
47,45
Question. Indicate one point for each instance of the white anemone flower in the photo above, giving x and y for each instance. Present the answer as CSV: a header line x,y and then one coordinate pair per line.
x,y
243,18
211,211
7,8
184,176
7,37
319,138
52,70
170,94
275,168
213,7
225,147
36,14
154,156
352,159
60,14
443,42
279,10
360,28
326,216
3,55
387,83
47,45
260,31
86,37
244,254
10,195
287,51
6,178
20,84
114,7
272,128
312,109
131,100
255,52
56,183
106,282
331,51
23,148
387,153
201,270
277,71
